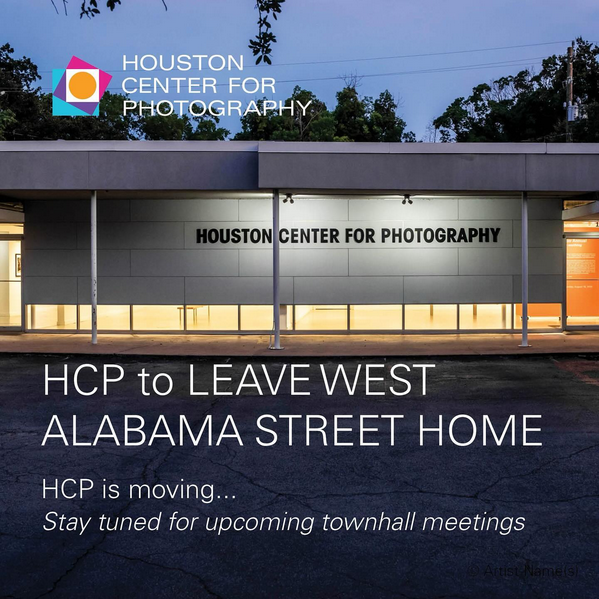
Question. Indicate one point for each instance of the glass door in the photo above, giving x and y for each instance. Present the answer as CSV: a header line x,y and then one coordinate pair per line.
x,y
10,283
582,280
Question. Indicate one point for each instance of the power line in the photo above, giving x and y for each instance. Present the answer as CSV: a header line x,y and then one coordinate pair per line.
x,y
392,57
412,55
508,63
518,62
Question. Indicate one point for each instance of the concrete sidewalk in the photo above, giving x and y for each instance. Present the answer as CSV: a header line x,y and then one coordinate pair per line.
x,y
302,345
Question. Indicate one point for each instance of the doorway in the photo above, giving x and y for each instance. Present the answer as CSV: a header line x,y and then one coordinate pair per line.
x,y
10,282
582,280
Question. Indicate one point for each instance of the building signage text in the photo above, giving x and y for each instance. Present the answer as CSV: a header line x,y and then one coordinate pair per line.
x,y
365,235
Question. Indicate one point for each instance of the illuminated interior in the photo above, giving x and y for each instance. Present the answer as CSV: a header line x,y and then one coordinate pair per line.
x,y
431,317
212,318
256,318
110,318
260,318
199,317
12,229
320,318
158,318
540,316
485,316
375,318
10,282
52,317
582,284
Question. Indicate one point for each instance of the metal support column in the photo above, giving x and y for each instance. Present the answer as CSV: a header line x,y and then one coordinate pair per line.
x,y
276,301
94,265
524,270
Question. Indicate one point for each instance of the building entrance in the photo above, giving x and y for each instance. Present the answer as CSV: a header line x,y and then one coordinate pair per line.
x,y
582,280
10,282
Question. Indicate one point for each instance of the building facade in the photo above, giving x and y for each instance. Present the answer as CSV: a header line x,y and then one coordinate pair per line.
x,y
397,238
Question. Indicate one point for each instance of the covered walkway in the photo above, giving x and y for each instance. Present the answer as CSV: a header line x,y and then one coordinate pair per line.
x,y
302,345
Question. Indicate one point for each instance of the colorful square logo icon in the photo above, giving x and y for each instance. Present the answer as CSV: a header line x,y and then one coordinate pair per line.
x,y
78,89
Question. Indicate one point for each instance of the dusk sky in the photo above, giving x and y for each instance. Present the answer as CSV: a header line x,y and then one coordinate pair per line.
x,y
316,30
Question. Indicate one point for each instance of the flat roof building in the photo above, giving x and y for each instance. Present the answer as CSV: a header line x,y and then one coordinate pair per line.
x,y
216,237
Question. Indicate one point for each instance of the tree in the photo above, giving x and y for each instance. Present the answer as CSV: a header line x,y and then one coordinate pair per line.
x,y
316,125
528,106
175,127
384,123
353,119
20,101
7,118
261,45
26,113
350,115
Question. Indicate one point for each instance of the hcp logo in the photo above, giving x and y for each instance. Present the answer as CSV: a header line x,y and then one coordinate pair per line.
x,y
78,89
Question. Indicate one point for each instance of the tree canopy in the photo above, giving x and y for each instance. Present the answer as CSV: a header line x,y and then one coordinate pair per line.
x,y
354,118
528,106
261,45
26,113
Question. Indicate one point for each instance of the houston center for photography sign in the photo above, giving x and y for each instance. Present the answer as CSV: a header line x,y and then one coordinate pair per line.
x,y
327,235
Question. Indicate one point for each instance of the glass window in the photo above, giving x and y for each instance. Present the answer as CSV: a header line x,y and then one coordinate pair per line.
x,y
10,283
11,229
158,318
433,317
212,318
485,316
540,316
375,318
260,318
582,287
256,318
10,304
49,317
110,318
321,318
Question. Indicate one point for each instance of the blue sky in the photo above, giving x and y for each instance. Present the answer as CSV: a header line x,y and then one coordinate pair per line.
x,y
316,30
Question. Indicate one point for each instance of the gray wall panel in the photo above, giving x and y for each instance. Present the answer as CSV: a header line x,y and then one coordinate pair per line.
x,y
50,290
392,172
58,236
235,290
541,233
76,263
62,211
133,290
184,210
294,263
348,290
148,235
173,170
300,210
489,209
475,208
542,289
44,170
546,208
563,172
184,263
403,262
462,289
445,209
507,261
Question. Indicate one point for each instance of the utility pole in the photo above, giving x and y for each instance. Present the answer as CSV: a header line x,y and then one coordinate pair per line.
x,y
570,116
